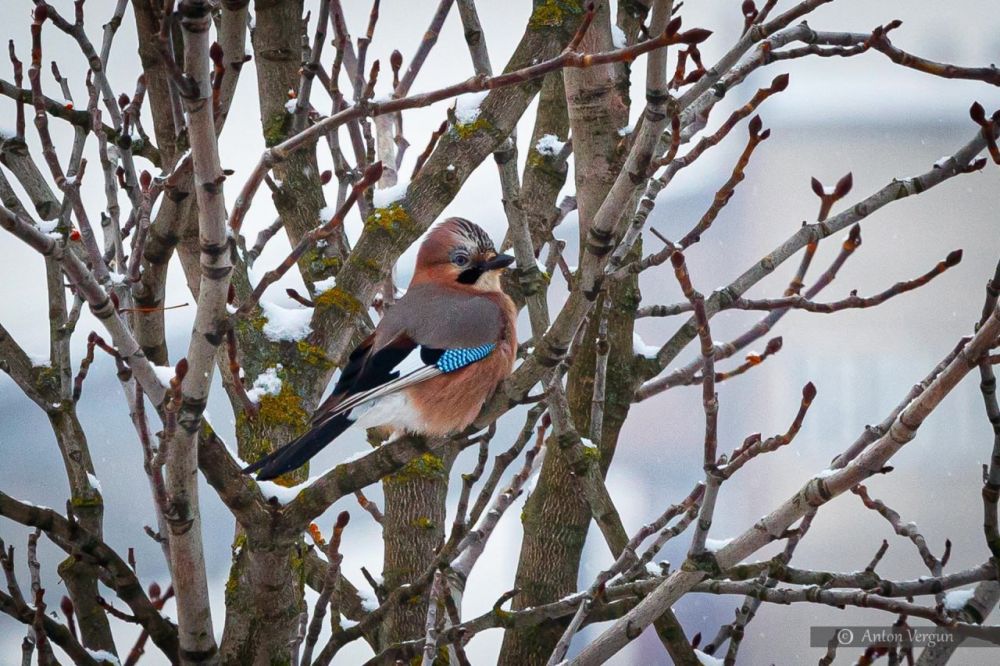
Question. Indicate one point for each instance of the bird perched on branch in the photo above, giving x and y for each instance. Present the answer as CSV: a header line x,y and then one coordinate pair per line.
x,y
455,325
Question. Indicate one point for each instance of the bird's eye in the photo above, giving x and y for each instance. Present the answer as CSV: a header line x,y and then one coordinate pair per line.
x,y
461,260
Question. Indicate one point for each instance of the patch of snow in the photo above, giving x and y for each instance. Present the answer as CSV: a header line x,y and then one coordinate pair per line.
x,y
826,473
450,167
155,210
716,544
828,190
617,37
55,235
47,226
368,600
941,162
117,279
356,456
640,348
267,383
390,195
549,145
164,373
289,324
655,568
707,659
231,309
467,107
325,285
276,491
103,657
95,483
956,600
588,443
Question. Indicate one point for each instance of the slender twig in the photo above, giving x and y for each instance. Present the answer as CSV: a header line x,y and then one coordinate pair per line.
x,y
327,596
853,301
325,230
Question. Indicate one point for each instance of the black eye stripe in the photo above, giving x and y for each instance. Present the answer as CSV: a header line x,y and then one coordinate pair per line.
x,y
470,275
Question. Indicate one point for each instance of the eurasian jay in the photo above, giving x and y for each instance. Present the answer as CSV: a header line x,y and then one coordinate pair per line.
x,y
454,321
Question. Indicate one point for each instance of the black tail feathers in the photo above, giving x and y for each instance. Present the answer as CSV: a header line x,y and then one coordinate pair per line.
x,y
298,452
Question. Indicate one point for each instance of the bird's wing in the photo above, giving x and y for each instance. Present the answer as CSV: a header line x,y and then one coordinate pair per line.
x,y
447,334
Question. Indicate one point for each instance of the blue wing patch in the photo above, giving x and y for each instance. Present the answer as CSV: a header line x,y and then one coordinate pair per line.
x,y
456,359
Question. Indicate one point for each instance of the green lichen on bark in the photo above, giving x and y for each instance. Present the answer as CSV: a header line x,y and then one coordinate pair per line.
x,y
279,418
313,356
392,219
285,408
90,501
337,298
276,129
318,263
424,466
47,380
553,13
233,581
424,523
465,130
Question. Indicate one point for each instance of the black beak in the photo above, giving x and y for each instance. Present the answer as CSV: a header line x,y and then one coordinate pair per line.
x,y
496,263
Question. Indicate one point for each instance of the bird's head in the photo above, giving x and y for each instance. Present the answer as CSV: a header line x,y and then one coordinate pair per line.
x,y
459,251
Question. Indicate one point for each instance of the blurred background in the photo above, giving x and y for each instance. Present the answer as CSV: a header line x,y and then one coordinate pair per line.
x,y
862,114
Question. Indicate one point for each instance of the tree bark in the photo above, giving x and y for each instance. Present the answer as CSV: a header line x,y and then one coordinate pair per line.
x,y
413,529
556,516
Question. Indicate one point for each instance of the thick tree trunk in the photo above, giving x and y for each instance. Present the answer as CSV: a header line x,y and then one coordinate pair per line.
x,y
263,599
277,46
556,516
545,175
413,529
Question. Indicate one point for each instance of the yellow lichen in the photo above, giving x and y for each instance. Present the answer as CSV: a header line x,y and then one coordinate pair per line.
x,y
313,355
424,523
282,409
548,14
46,379
466,130
391,219
552,13
320,264
93,501
592,453
339,299
425,466
276,129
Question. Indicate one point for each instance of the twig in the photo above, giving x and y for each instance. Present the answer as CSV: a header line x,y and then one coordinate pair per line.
x,y
372,174
725,193
327,595
853,301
